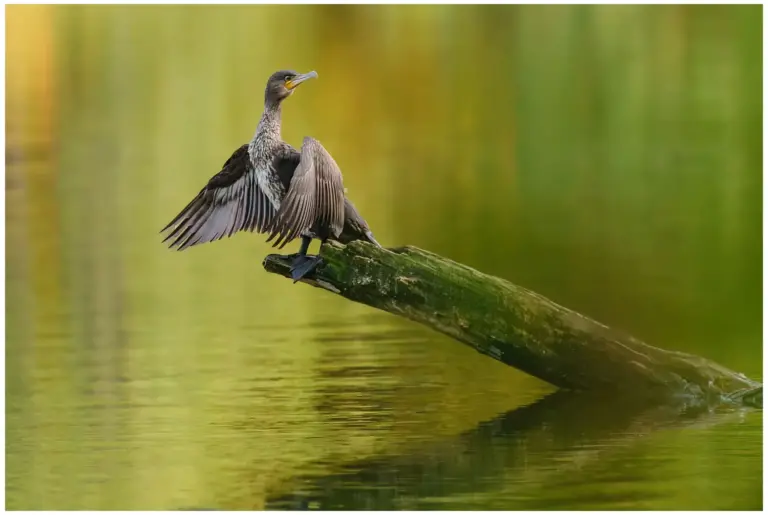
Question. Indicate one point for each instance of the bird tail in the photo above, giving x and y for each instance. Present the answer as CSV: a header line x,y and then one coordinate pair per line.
x,y
369,235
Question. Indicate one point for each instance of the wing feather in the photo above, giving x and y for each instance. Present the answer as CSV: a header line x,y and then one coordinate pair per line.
x,y
231,201
314,200
239,214
189,231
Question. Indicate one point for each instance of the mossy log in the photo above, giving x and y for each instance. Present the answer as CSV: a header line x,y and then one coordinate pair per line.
x,y
517,326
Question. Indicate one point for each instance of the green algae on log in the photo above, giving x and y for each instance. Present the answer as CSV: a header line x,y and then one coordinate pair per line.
x,y
517,326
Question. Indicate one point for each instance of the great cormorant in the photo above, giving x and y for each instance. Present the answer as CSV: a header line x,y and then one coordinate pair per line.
x,y
270,187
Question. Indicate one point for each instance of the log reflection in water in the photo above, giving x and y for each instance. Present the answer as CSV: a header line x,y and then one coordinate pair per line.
x,y
557,434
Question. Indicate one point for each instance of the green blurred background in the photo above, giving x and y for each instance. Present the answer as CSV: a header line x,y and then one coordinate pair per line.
x,y
608,157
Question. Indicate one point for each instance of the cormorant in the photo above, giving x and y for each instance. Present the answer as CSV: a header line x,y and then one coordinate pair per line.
x,y
270,187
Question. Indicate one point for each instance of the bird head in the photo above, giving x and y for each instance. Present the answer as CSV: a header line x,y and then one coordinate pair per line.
x,y
281,84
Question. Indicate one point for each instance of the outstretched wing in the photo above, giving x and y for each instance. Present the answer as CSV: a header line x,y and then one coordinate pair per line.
x,y
315,197
231,201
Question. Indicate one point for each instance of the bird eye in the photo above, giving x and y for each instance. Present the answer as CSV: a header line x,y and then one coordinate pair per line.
x,y
288,78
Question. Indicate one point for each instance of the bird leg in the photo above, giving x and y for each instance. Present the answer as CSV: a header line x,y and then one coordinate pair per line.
x,y
305,241
303,264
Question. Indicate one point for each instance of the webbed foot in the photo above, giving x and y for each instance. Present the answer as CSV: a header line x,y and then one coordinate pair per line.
x,y
302,265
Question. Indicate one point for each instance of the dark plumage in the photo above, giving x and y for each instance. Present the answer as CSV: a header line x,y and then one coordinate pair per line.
x,y
268,186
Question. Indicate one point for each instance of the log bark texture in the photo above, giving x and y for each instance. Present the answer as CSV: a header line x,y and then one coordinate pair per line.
x,y
517,326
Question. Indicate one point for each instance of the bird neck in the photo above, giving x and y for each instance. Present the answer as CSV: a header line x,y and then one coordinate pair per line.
x,y
268,129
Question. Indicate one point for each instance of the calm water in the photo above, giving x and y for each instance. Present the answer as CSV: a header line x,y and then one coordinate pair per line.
x,y
607,157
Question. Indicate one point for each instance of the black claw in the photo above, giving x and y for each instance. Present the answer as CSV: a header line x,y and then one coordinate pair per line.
x,y
302,265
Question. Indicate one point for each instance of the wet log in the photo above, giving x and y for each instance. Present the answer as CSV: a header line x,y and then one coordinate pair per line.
x,y
517,326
